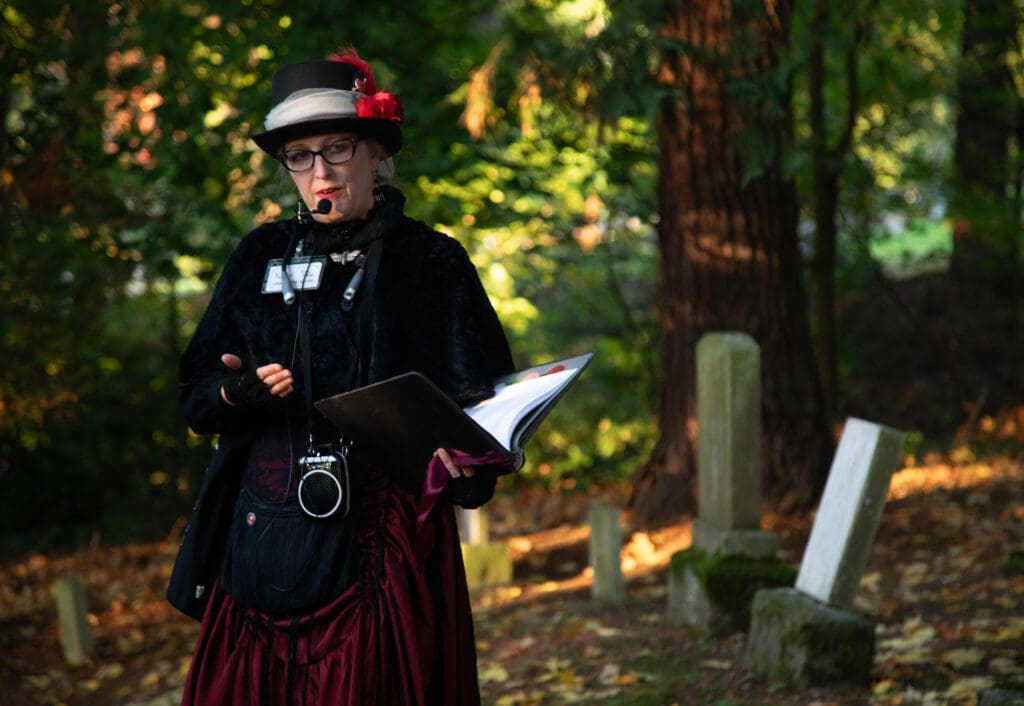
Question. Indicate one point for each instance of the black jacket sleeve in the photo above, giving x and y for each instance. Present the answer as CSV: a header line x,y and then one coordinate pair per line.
x,y
227,326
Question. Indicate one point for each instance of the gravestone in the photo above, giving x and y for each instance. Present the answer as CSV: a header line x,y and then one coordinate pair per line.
x,y
486,563
712,584
605,547
73,618
729,466
808,635
849,512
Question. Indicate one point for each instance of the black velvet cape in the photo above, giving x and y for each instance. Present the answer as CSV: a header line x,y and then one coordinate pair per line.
x,y
427,311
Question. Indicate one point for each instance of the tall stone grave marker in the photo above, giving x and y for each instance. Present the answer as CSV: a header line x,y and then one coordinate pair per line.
x,y
729,466
712,584
808,634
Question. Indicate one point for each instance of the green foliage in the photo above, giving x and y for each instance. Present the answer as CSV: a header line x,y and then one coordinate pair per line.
x,y
924,245
903,130
567,250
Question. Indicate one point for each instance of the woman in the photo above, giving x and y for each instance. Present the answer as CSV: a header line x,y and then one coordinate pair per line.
x,y
348,591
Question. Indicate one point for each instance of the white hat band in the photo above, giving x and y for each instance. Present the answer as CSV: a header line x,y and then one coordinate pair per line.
x,y
313,104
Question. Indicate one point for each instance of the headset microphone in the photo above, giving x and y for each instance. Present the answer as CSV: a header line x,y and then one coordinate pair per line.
x,y
287,290
323,206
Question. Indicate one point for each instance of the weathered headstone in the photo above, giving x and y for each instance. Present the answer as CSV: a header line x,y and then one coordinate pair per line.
x,y
712,584
73,617
849,512
729,465
605,548
486,563
808,635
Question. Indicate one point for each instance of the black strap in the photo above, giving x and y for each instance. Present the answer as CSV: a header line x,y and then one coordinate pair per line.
x,y
365,311
364,323
307,369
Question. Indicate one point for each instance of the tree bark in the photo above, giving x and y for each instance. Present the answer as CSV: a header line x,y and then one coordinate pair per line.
x,y
826,198
729,256
827,161
985,227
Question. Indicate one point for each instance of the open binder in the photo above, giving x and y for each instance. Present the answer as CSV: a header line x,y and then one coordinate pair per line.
x,y
404,419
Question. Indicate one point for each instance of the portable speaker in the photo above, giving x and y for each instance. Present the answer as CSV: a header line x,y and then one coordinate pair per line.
x,y
324,485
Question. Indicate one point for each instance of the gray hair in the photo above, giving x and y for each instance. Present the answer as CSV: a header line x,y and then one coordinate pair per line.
x,y
385,174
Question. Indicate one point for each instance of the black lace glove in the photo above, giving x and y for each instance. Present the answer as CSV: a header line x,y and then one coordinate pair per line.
x,y
247,391
473,491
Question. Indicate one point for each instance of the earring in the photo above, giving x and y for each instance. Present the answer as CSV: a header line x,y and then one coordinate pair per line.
x,y
378,195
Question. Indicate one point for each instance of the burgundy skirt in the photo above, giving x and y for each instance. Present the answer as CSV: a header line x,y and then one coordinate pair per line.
x,y
401,635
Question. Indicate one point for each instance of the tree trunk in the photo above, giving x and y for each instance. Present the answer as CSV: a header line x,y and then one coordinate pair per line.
x,y
729,257
985,226
827,161
826,198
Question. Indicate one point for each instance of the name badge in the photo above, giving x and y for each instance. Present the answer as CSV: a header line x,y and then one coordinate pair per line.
x,y
305,273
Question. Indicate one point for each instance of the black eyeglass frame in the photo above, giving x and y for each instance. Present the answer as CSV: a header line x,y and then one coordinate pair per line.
x,y
320,152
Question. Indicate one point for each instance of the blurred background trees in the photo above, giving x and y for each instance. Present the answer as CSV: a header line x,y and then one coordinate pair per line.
x,y
626,176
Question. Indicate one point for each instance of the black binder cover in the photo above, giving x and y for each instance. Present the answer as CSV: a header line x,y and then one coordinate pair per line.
x,y
406,418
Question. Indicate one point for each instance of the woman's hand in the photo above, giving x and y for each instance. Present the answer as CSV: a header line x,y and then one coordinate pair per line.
x,y
272,380
454,470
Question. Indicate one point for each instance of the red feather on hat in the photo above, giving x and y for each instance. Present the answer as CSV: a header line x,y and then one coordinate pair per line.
x,y
349,55
381,105
377,104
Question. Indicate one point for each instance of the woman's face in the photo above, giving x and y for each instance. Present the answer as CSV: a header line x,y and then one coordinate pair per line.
x,y
348,186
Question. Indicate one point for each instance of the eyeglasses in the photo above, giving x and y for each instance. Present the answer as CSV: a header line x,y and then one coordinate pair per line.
x,y
335,153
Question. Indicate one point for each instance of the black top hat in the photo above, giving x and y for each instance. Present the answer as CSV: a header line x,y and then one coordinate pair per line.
x,y
321,97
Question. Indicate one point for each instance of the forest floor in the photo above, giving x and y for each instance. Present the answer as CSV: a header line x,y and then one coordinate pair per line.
x,y
949,613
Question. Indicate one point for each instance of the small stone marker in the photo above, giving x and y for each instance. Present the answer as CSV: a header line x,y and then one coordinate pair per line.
x,y
849,512
75,634
605,548
729,447
473,526
807,635
486,563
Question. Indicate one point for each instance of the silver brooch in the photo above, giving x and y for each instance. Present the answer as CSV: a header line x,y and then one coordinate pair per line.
x,y
345,257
